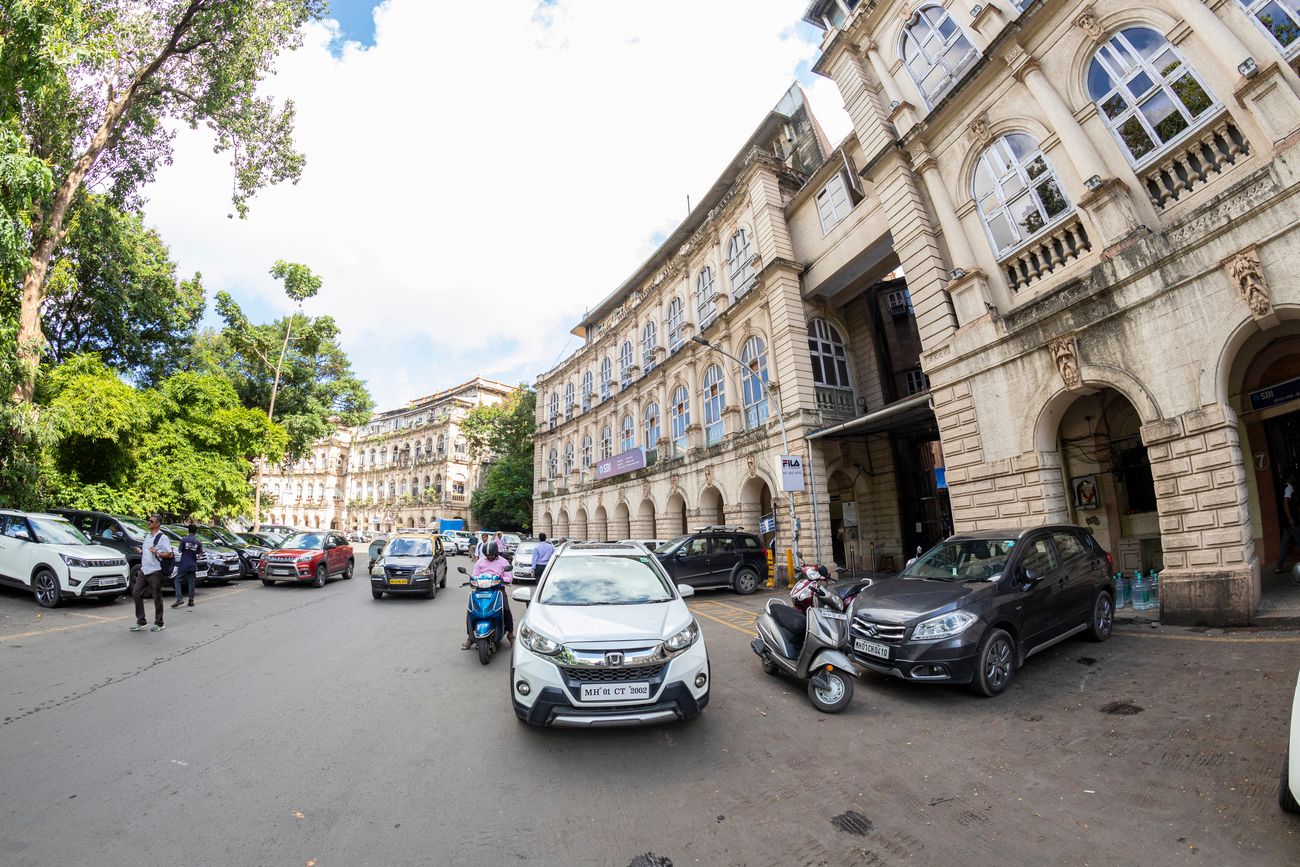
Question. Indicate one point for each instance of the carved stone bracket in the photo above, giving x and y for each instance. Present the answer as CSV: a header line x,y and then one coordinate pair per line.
x,y
979,129
1089,23
1247,276
1065,352
751,464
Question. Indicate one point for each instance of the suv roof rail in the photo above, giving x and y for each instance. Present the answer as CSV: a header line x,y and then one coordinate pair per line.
x,y
718,528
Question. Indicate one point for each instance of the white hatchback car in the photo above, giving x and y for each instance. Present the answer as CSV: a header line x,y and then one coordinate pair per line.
x,y
607,641
1288,795
49,556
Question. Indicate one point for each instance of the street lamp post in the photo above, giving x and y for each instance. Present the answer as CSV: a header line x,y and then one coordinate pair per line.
x,y
773,389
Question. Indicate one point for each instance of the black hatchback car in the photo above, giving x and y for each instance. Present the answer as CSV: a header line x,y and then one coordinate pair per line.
x,y
410,563
715,557
123,534
974,607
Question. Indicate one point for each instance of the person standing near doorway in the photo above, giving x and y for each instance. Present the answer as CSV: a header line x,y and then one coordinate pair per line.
x,y
1290,532
191,548
541,556
155,551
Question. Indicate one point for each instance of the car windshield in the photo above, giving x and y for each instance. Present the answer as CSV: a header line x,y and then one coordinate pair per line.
x,y
309,541
409,548
254,539
135,529
669,547
57,531
226,537
510,538
965,560
604,580
525,548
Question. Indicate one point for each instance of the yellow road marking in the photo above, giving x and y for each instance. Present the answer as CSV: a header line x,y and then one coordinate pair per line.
x,y
725,623
732,607
90,616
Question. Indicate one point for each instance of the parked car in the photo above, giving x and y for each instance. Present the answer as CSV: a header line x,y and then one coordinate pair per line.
x,y
250,554
265,540
280,530
309,557
49,556
412,563
224,562
974,607
1288,794
651,544
522,565
607,640
512,541
715,557
124,535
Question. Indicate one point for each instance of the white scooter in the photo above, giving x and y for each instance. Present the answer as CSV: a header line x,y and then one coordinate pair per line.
x,y
810,645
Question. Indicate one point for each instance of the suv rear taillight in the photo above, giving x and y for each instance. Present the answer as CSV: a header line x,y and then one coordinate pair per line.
x,y
1110,561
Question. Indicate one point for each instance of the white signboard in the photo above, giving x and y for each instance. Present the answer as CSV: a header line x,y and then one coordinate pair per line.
x,y
850,513
789,469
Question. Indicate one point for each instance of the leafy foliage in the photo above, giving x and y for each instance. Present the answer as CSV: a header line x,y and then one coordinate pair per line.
x,y
504,433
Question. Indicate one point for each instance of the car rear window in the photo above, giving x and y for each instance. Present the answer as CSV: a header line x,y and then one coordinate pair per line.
x,y
750,543
1068,545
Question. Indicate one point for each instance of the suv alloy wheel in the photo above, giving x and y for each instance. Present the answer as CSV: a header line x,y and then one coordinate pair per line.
x,y
45,586
746,581
995,663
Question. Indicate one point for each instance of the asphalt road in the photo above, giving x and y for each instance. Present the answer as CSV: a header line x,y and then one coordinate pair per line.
x,y
289,726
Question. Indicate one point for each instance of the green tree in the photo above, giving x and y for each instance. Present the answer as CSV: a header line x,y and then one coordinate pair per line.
x,y
113,290
503,435
96,87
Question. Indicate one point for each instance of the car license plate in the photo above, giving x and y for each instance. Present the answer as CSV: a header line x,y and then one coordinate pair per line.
x,y
615,691
281,571
110,582
399,581
871,648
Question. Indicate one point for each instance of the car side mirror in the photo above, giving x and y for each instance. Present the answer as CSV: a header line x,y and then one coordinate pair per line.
x,y
685,590
522,594
1032,576
462,570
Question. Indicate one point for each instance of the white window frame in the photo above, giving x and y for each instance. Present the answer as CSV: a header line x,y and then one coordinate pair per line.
x,y
1255,8
553,408
552,464
713,396
586,388
753,383
606,443
1013,186
705,307
922,38
586,451
651,429
606,378
649,342
917,381
625,364
829,344
680,415
740,264
627,434
568,458
673,324
833,202
569,400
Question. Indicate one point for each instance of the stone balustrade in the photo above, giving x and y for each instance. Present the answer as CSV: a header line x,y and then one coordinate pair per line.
x,y
1195,161
1046,254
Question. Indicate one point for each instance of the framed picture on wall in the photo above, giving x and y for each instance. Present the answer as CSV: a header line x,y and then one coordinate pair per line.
x,y
1085,491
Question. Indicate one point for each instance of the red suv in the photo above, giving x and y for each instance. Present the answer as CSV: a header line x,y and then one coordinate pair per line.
x,y
309,557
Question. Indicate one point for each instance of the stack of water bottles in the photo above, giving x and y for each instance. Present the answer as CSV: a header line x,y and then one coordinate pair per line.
x,y
1141,592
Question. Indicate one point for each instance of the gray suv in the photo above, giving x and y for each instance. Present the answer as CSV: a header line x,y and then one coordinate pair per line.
x,y
715,557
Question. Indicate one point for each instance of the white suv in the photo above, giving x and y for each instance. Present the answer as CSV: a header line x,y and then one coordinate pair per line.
x,y
55,560
607,640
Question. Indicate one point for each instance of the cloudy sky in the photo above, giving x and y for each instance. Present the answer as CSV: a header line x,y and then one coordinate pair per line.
x,y
480,174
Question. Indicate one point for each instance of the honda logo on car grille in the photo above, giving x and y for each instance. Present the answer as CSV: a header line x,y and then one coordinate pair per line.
x,y
614,659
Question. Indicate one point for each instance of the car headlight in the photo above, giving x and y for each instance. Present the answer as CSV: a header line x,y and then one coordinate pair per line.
x,y
536,642
426,571
945,626
74,561
683,639
303,558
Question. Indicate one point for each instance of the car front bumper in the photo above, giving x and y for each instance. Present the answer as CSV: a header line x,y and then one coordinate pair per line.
x,y
553,697
950,661
96,581
417,584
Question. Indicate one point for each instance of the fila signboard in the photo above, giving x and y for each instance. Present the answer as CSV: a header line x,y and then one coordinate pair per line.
x,y
789,469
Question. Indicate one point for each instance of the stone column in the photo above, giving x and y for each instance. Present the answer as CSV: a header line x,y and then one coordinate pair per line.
x,y
1217,36
694,429
967,285
900,112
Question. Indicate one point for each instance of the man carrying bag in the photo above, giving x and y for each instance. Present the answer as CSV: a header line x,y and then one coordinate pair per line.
x,y
156,558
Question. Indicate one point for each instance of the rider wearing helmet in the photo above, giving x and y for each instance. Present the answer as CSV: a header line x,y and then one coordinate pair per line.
x,y
492,563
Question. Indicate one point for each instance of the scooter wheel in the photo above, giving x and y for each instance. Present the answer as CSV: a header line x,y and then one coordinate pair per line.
x,y
835,695
484,651
768,665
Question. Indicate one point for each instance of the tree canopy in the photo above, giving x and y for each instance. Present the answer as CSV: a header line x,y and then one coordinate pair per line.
x,y
503,434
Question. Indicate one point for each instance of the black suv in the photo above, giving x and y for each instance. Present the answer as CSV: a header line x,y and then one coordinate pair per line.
x,y
715,557
974,607
121,534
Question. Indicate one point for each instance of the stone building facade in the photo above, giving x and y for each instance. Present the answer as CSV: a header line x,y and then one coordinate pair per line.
x,y
407,467
1094,205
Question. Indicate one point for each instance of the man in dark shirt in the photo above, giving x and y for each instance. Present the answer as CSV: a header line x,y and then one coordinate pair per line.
x,y
190,547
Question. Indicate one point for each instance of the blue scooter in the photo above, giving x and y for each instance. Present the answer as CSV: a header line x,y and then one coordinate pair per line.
x,y
486,612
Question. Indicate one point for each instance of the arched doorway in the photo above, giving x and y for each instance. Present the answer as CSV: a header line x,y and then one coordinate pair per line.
x,y
710,511
672,521
621,526
1107,478
578,529
844,519
598,531
562,524
756,504
545,525
644,526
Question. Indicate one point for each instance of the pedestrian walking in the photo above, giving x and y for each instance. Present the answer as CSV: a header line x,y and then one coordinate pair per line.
x,y
541,556
156,556
1290,530
191,548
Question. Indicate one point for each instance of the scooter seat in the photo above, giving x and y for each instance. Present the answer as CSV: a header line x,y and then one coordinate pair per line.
x,y
791,622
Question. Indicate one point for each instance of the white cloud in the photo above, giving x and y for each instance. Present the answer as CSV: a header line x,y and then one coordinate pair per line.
x,y
482,173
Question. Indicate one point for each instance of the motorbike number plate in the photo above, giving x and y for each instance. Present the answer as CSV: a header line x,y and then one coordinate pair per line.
x,y
399,581
834,615
615,691
871,648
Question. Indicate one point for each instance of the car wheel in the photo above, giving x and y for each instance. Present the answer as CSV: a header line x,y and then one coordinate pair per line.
x,y
1103,617
746,581
432,591
135,575
1285,799
995,663
484,652
347,571
834,695
378,594
442,582
267,582
45,586
319,579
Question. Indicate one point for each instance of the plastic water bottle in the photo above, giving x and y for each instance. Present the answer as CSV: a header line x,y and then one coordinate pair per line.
x,y
1153,586
1141,592
1123,594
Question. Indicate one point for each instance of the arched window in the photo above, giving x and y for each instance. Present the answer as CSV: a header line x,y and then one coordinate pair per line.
x,y
740,264
606,377
1016,191
753,385
935,51
299,493
1280,19
586,451
437,483
625,364
553,408
552,461
383,456
627,434
428,445
569,400
1147,94
830,369
415,487
681,415
392,490
649,341
586,389
568,458
606,443
705,309
442,443
673,325
418,446
404,488
650,426
714,398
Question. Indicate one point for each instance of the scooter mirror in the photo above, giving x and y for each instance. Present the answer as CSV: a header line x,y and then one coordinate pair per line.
x,y
462,570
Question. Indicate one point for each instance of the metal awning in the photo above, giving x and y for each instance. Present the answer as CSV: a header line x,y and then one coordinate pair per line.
x,y
911,415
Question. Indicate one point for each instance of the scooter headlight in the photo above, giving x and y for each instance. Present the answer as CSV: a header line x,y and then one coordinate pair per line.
x,y
536,642
683,639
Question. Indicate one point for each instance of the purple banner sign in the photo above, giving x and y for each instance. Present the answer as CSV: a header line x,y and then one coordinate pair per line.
x,y
626,462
